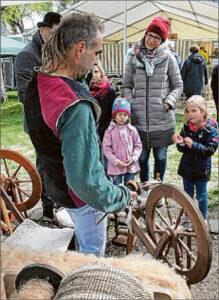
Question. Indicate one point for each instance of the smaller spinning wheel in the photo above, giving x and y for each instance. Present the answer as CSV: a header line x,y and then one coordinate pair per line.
x,y
20,180
187,251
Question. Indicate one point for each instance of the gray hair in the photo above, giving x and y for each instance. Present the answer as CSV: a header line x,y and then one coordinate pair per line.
x,y
72,29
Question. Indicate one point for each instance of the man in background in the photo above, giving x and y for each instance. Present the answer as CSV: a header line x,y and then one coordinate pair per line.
x,y
194,73
214,86
26,60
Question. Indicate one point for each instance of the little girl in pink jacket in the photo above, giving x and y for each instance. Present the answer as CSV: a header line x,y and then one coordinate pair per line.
x,y
121,144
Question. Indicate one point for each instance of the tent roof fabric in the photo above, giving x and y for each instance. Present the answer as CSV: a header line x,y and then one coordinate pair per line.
x,y
10,46
189,19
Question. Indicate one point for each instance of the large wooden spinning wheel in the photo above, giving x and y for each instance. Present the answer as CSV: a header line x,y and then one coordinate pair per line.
x,y
187,251
19,180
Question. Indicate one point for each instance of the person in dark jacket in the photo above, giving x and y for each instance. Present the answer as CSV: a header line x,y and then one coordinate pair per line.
x,y
194,73
198,141
214,86
25,62
102,90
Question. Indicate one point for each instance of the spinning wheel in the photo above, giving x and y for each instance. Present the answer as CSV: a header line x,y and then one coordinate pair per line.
x,y
20,180
188,252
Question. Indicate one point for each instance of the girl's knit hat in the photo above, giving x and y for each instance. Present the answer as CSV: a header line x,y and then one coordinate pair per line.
x,y
121,105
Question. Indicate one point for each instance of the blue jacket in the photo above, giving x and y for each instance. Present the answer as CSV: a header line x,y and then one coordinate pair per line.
x,y
195,163
194,75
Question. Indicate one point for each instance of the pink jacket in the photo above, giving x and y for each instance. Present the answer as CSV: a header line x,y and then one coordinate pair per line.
x,y
120,143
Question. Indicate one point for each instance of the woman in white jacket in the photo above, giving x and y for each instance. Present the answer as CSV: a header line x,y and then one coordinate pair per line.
x,y
152,83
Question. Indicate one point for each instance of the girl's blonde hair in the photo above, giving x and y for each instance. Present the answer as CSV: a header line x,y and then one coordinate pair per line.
x,y
100,67
200,102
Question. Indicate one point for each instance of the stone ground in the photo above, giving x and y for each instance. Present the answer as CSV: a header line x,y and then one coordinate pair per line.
x,y
206,289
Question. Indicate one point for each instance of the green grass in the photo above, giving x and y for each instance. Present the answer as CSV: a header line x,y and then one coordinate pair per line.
x,y
14,138
12,133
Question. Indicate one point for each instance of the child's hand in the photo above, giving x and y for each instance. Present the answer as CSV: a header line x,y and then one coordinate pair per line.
x,y
188,142
177,138
121,164
129,162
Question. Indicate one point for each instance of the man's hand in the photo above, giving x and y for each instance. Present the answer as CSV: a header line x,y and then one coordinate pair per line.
x,y
133,195
188,141
177,138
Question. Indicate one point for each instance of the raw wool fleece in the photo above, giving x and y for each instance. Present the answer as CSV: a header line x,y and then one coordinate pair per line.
x,y
157,275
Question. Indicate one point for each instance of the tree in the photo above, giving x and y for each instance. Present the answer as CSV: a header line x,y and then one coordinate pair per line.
x,y
62,5
14,15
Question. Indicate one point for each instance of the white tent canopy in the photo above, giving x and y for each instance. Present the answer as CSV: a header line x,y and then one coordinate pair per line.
x,y
189,19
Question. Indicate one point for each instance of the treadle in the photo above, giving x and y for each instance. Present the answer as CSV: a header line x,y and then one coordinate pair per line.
x,y
121,240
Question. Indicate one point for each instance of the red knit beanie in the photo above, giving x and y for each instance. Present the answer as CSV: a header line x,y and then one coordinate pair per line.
x,y
160,26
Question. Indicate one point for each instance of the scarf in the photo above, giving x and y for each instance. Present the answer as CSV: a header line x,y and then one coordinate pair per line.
x,y
195,129
148,59
100,90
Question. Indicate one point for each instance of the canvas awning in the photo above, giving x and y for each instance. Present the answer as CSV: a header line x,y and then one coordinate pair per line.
x,y
10,46
189,19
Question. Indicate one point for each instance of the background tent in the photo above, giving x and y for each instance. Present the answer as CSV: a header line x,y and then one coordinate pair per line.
x,y
125,23
9,49
189,19
10,46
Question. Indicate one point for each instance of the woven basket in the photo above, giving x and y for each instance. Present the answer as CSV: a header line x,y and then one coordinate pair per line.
x,y
100,282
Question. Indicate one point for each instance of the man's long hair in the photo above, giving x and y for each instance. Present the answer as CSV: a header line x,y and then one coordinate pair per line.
x,y
72,29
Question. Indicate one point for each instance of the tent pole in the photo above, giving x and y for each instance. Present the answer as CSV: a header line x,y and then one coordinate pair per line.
x,y
125,33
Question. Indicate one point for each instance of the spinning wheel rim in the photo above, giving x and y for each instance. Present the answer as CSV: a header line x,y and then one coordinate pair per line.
x,y
204,253
33,174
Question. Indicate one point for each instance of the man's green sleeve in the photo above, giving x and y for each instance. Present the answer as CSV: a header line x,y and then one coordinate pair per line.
x,y
81,157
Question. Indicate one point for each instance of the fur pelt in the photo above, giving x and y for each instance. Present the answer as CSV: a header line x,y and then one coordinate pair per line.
x,y
157,275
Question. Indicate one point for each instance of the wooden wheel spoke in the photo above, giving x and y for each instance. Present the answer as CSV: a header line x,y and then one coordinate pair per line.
x,y
21,190
189,244
160,231
189,253
15,173
167,250
167,203
6,167
178,255
162,217
161,245
20,193
22,181
178,219
184,233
